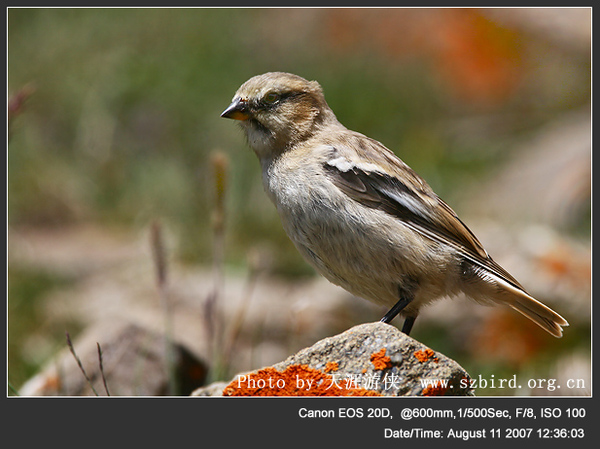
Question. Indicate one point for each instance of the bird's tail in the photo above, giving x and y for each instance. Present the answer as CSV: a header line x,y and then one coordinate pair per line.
x,y
501,288
522,302
537,312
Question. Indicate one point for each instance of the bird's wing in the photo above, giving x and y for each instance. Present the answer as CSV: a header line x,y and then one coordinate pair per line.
x,y
390,185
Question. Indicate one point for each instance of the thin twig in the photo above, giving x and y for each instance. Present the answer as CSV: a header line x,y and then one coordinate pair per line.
x,y
212,311
72,349
102,369
159,255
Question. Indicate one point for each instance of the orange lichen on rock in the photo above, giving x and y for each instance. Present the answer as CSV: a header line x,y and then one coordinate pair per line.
x,y
380,361
331,366
438,390
295,380
425,354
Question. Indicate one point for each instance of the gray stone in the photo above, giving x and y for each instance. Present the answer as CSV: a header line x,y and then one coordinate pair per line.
x,y
134,364
377,357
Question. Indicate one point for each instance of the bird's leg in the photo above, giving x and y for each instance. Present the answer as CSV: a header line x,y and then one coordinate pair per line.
x,y
395,310
406,293
408,324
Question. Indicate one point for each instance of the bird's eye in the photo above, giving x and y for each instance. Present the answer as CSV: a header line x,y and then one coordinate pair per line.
x,y
271,97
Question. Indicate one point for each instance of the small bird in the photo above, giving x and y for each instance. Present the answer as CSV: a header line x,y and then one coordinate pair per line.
x,y
362,217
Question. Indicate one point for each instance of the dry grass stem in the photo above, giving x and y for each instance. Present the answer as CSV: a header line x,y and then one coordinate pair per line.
x,y
159,257
78,360
212,314
101,364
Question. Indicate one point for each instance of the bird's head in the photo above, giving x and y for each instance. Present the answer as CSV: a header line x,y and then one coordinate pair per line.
x,y
277,110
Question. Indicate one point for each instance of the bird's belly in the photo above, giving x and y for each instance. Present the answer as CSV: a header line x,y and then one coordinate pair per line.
x,y
367,251
372,255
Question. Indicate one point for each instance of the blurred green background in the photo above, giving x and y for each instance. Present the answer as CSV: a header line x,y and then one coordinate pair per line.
x,y
114,116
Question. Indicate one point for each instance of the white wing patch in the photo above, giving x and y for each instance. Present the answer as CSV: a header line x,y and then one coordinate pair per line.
x,y
343,164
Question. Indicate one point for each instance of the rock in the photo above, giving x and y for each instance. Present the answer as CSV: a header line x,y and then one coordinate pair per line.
x,y
214,389
368,359
133,360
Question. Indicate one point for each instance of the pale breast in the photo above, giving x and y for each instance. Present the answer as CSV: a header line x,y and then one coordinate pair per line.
x,y
365,251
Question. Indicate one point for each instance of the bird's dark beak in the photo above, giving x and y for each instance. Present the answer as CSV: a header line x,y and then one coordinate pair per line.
x,y
237,110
